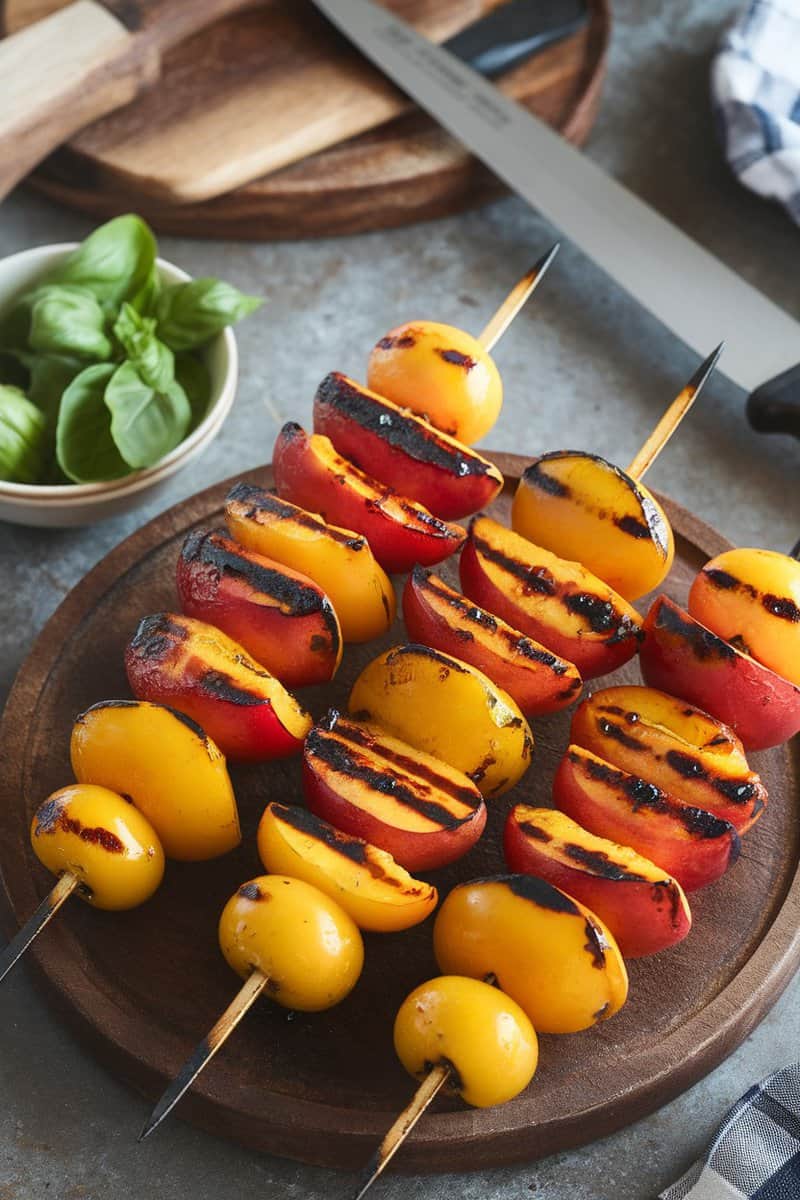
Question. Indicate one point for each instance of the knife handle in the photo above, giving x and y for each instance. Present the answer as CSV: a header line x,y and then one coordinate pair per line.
x,y
513,33
775,406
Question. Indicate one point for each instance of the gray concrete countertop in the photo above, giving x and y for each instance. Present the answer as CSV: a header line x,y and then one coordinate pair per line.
x,y
583,366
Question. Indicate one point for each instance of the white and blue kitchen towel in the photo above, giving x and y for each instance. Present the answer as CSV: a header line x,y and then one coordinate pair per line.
x,y
755,84
756,1152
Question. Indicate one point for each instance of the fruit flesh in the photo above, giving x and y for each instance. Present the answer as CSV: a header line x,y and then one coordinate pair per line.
x,y
449,709
400,532
199,670
282,618
481,1034
642,905
558,603
402,450
436,615
681,749
338,560
368,884
173,772
371,785
440,372
751,598
690,844
547,951
585,509
682,657
102,839
307,946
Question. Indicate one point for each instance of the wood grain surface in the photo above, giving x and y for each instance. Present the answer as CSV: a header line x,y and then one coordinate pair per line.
x,y
142,987
274,85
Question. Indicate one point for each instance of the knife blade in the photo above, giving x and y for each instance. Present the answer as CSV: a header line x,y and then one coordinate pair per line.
x,y
697,296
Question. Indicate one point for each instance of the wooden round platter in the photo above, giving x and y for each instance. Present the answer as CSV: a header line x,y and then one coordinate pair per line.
x,y
407,170
142,987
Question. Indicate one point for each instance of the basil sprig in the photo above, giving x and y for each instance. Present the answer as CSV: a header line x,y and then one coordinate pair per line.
x,y
103,360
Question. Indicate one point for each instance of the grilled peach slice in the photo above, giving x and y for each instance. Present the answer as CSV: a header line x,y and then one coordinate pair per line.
x,y
682,750
682,657
751,598
280,617
368,884
559,603
449,709
199,670
169,767
548,952
440,617
420,810
442,373
689,843
308,471
402,450
338,560
586,509
643,906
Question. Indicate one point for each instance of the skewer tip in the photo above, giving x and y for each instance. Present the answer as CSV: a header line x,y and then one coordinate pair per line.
x,y
706,367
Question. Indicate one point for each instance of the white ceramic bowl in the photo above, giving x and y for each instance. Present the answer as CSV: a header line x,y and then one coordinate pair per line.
x,y
66,505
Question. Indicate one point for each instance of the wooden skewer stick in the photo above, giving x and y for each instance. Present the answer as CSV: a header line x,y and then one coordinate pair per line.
x,y
34,925
431,1085
515,299
214,1040
673,417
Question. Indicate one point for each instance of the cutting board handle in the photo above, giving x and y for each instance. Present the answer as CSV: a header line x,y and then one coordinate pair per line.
x,y
61,73
775,406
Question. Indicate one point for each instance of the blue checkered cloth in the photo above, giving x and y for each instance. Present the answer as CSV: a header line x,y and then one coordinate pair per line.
x,y
756,1152
755,85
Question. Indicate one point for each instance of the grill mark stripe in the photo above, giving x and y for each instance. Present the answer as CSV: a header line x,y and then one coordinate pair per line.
x,y
344,760
246,500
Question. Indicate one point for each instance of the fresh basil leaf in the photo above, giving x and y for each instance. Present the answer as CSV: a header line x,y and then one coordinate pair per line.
x,y
22,437
144,301
51,375
68,320
190,314
192,374
115,262
153,360
145,423
85,449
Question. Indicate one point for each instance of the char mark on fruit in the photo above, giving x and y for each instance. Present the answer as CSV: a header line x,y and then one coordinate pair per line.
x,y
599,613
535,579
598,863
420,651
738,791
596,945
251,891
536,477
537,891
457,358
781,606
156,636
633,527
304,821
402,431
727,582
401,341
344,761
534,831
220,686
255,500
611,729
704,644
53,818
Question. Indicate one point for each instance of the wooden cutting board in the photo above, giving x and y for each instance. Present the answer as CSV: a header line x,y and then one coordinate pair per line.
x,y
142,987
270,86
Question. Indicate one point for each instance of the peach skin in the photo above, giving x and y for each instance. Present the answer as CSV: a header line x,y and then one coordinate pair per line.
x,y
751,598
402,450
440,372
547,951
309,472
368,884
682,750
558,603
171,769
643,906
199,670
686,659
437,616
373,786
585,509
338,560
687,842
449,709
283,619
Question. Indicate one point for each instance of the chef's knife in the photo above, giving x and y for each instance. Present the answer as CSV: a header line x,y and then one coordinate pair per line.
x,y
692,292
